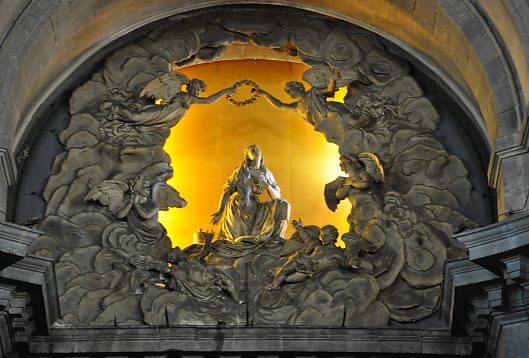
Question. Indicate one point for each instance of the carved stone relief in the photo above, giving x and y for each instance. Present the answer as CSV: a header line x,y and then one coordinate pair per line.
x,y
405,190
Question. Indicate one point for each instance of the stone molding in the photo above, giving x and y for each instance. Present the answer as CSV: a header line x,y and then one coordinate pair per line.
x,y
8,168
15,241
28,297
266,340
491,287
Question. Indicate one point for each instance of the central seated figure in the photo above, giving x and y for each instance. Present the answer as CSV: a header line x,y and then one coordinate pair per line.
x,y
241,213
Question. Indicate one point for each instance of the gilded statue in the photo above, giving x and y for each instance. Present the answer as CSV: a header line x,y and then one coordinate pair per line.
x,y
240,212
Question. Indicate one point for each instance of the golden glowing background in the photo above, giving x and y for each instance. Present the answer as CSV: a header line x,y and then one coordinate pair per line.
x,y
208,143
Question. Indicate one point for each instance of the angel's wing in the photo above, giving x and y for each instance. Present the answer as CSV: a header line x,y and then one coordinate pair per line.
x,y
165,86
373,166
109,193
330,193
167,197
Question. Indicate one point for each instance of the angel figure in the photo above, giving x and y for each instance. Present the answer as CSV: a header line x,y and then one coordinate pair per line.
x,y
139,202
363,171
169,102
330,118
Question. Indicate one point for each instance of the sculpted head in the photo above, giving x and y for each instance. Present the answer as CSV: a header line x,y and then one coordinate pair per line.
x,y
176,255
351,239
196,86
350,163
295,89
253,153
329,235
140,185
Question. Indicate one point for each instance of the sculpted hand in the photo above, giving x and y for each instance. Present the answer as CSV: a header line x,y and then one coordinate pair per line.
x,y
134,198
261,182
296,224
350,181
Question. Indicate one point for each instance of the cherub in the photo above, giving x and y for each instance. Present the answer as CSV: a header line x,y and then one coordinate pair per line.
x,y
139,202
305,264
355,250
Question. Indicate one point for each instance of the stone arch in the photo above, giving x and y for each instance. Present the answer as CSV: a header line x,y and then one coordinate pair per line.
x,y
83,36
114,140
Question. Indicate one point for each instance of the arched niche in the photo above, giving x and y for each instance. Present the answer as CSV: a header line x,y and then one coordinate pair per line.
x,y
434,140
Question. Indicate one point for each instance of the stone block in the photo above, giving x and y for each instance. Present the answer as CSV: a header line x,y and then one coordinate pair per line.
x,y
36,14
45,46
9,12
508,121
99,5
425,13
62,24
406,5
513,340
453,7
81,12
485,48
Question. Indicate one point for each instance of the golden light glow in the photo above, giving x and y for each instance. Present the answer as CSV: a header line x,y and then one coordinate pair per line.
x,y
208,143
339,95
159,101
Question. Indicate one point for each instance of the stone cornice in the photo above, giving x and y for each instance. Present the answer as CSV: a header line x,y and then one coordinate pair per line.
x,y
247,339
458,274
496,239
14,241
37,271
507,147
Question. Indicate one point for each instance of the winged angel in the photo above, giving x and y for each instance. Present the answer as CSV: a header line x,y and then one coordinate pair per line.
x,y
362,171
168,102
139,202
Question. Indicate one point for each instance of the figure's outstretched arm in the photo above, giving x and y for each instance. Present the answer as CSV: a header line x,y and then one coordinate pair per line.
x,y
277,103
298,225
213,98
